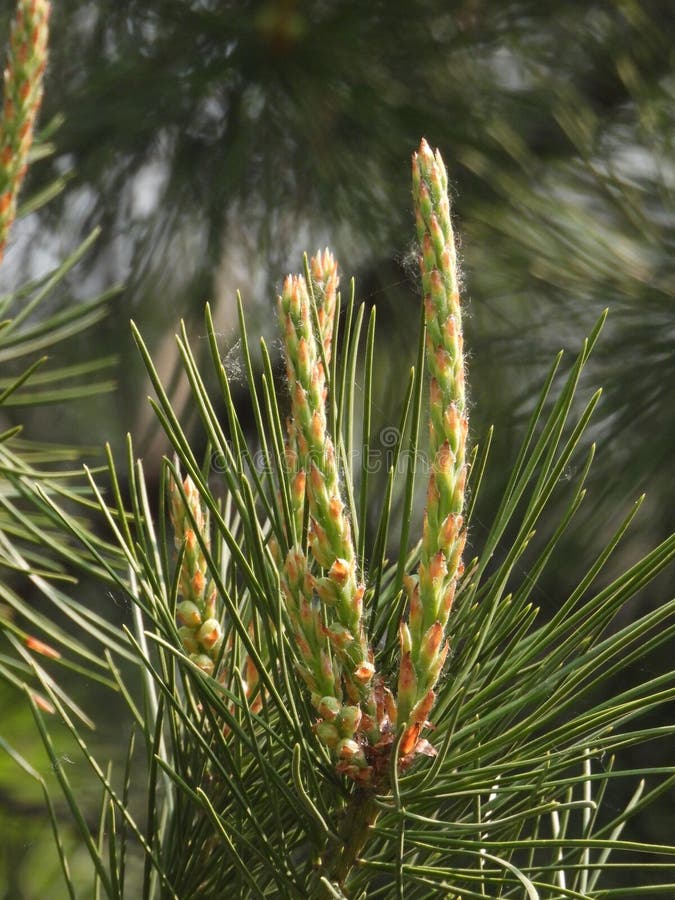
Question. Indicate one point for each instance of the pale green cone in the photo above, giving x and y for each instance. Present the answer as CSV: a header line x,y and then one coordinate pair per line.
x,y
308,630
330,542
196,612
330,533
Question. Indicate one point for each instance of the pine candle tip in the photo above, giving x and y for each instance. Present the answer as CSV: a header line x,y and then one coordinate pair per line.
x,y
23,76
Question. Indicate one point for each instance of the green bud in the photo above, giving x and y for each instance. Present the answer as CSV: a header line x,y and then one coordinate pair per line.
x,y
209,634
187,613
348,720
328,707
328,734
188,639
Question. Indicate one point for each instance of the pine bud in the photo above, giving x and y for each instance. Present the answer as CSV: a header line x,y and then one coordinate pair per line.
x,y
209,634
188,614
328,734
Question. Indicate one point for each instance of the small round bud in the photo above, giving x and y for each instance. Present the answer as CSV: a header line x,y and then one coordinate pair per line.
x,y
349,720
187,613
188,639
328,708
328,734
349,750
209,634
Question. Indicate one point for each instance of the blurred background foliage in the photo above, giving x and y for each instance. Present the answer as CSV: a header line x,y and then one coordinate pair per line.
x,y
214,141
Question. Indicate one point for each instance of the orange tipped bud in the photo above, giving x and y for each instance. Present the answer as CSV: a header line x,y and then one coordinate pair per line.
x,y
437,665
364,672
407,680
410,583
357,601
348,720
303,647
328,708
209,634
452,420
450,328
447,264
445,459
317,479
40,647
335,507
198,583
456,557
437,566
349,751
421,711
416,608
448,599
450,529
431,642
299,484
302,352
339,636
432,491
318,429
409,739
341,571
42,703
187,613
